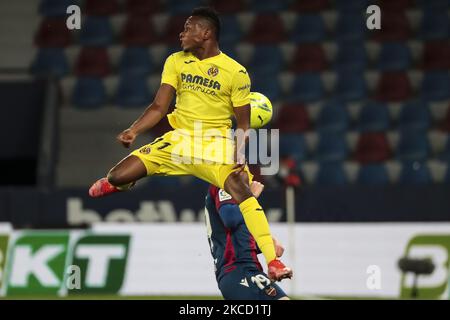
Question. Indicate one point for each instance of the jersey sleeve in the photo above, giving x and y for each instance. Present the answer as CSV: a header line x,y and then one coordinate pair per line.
x,y
169,74
240,88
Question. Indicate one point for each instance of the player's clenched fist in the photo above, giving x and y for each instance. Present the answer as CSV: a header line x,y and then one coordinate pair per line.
x,y
126,137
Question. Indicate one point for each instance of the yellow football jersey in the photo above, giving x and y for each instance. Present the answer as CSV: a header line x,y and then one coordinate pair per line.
x,y
207,90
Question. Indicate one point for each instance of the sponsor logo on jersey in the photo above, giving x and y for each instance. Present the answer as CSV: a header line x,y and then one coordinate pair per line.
x,y
205,82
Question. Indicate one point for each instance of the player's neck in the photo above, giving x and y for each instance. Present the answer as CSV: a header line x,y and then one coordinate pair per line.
x,y
206,52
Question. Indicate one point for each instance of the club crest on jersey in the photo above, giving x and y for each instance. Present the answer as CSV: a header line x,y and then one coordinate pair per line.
x,y
145,150
213,71
223,195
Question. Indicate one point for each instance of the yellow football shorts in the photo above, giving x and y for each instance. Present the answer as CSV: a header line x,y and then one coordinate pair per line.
x,y
180,152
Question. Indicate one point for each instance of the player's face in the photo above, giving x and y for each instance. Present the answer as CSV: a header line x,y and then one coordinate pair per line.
x,y
192,37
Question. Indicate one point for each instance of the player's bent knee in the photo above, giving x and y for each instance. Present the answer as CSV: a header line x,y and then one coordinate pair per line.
x,y
237,188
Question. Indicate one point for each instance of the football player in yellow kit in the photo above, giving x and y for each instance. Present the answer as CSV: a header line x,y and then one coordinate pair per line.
x,y
210,89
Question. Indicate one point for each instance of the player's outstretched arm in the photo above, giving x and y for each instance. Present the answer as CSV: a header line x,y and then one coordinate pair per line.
x,y
150,117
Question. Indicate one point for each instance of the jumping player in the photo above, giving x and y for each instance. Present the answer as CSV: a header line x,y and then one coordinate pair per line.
x,y
210,88
239,275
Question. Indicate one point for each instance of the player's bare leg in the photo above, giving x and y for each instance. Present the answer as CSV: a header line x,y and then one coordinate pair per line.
x,y
238,187
120,178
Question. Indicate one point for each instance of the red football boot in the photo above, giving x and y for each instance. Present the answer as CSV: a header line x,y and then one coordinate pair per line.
x,y
102,188
277,271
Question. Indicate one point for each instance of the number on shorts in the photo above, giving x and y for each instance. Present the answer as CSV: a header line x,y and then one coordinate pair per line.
x,y
260,280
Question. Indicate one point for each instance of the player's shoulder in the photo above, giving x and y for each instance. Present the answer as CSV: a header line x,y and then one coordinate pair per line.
x,y
180,55
233,64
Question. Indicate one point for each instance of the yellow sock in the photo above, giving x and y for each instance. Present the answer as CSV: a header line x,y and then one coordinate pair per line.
x,y
257,224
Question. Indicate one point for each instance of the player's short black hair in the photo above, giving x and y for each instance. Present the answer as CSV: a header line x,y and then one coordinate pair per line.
x,y
211,15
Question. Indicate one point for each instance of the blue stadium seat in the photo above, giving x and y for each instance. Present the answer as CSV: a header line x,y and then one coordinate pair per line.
x,y
435,25
54,8
135,61
294,146
414,116
50,62
435,4
351,86
89,93
351,57
307,87
415,173
350,27
309,28
374,117
333,118
133,91
331,147
182,7
231,32
394,56
373,175
267,6
230,50
96,31
267,59
413,146
435,86
331,174
267,84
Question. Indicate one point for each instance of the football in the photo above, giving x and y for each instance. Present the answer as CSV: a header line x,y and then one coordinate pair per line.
x,y
260,111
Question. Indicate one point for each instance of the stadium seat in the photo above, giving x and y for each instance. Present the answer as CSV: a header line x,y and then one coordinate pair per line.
x,y
397,5
331,174
96,31
53,32
414,116
267,59
309,28
266,6
445,123
415,173
351,86
372,147
310,6
50,62
231,32
373,175
351,5
182,7
350,27
133,91
435,85
413,146
89,93
393,86
331,147
445,154
54,8
351,57
93,62
138,31
394,56
294,146
135,61
229,6
374,117
174,26
142,7
266,84
308,58
396,27
307,87
268,29
435,25
436,55
333,118
101,7
292,118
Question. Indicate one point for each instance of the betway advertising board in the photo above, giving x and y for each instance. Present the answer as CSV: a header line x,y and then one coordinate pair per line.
x,y
352,260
